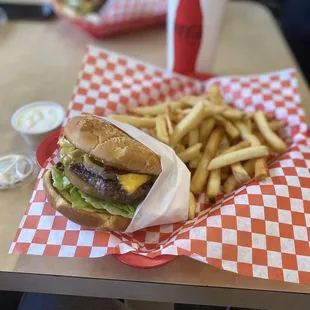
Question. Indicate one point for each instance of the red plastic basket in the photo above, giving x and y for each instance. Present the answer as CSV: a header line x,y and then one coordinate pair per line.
x,y
119,16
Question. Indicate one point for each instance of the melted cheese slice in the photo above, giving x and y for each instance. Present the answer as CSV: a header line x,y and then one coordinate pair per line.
x,y
131,182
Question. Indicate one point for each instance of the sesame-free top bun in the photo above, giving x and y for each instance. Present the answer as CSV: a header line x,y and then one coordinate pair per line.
x,y
96,220
105,142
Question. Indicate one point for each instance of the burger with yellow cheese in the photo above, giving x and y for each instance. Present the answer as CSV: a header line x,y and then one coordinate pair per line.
x,y
102,176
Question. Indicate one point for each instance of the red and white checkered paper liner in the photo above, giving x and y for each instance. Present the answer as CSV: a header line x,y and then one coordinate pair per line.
x,y
119,16
261,230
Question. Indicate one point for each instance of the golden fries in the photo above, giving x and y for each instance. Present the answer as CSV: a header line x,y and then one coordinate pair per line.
x,y
246,134
205,129
239,173
182,112
276,125
237,147
260,164
201,174
231,183
223,146
224,175
161,129
179,148
191,153
234,157
152,132
189,122
269,116
260,169
192,206
231,131
233,114
193,100
214,183
272,139
214,94
155,109
193,137
167,116
249,124
140,122
195,162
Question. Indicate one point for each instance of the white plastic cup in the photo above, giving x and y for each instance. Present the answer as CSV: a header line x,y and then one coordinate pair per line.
x,y
193,28
33,139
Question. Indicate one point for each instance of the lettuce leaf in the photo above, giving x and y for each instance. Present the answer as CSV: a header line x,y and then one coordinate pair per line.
x,y
125,210
59,180
83,201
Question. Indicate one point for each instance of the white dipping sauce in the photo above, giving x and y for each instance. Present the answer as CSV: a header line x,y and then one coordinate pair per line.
x,y
38,118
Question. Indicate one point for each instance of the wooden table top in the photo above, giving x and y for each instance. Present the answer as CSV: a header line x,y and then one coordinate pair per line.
x,y
40,61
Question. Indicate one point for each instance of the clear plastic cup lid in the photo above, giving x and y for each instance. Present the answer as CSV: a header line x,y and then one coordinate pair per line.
x,y
16,169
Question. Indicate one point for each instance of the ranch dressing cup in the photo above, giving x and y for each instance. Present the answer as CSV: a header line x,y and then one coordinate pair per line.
x,y
35,121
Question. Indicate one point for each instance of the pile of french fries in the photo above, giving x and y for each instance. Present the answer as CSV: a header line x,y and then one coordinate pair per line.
x,y
224,147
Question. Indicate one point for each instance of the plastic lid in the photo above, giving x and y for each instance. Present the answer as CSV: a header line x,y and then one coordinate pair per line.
x,y
16,169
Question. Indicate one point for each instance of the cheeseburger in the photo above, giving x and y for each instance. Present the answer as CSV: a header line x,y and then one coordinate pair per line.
x,y
102,176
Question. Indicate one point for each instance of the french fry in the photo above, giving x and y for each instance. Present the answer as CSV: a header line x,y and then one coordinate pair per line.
x,y
192,206
193,100
201,174
169,125
224,145
214,183
175,118
262,141
248,122
190,153
246,134
214,94
179,148
224,175
276,125
195,162
205,129
239,173
152,132
233,114
183,112
260,169
161,129
185,140
272,139
237,156
260,137
260,164
226,170
212,109
241,145
193,137
140,122
231,183
156,109
269,116
189,122
230,129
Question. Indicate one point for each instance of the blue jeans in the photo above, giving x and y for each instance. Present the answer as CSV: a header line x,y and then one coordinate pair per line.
x,y
296,29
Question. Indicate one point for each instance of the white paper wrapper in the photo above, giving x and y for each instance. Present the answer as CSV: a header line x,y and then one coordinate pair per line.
x,y
168,200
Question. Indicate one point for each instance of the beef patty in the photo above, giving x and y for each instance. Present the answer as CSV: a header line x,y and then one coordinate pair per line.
x,y
110,189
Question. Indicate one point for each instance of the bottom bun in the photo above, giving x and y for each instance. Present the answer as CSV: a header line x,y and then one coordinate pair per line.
x,y
96,220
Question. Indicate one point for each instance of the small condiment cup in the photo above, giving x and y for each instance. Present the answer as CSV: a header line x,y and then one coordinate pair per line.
x,y
33,139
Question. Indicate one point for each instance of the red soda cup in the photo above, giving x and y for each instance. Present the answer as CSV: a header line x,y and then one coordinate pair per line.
x,y
193,28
